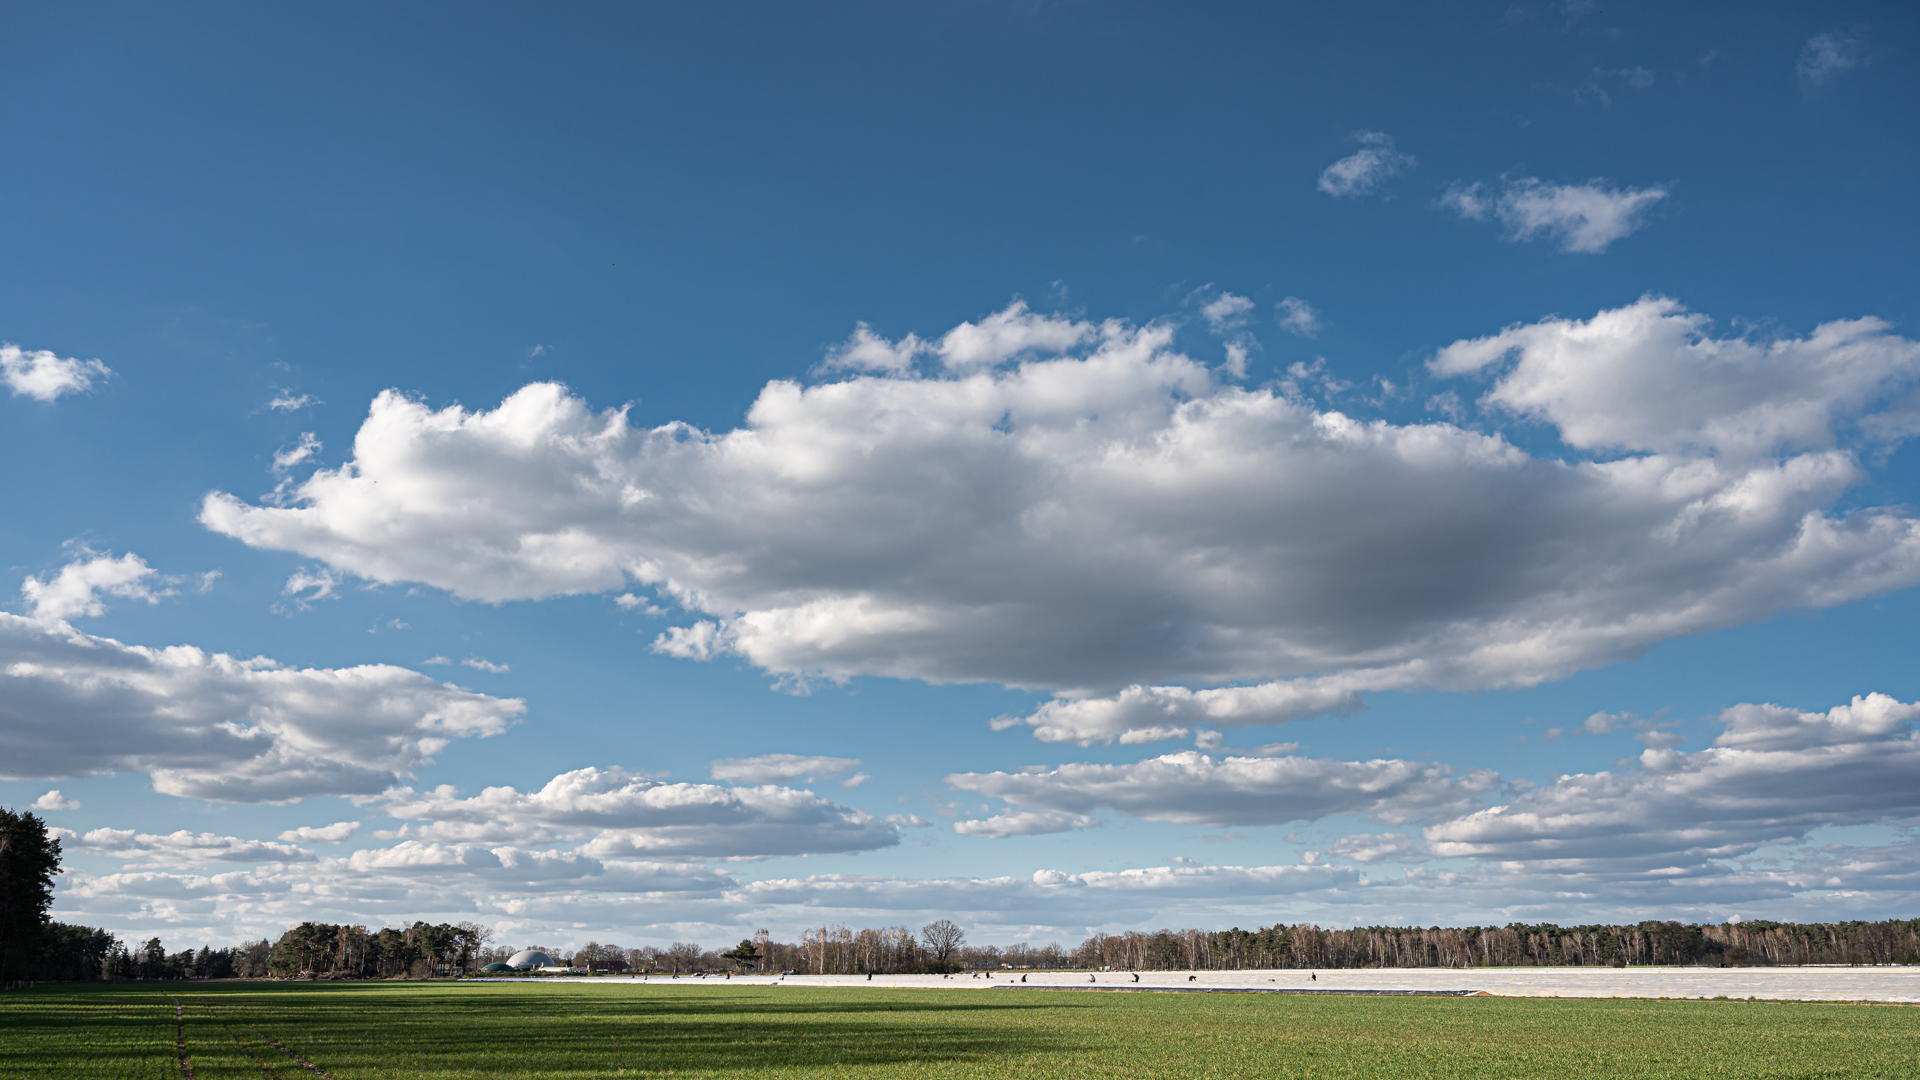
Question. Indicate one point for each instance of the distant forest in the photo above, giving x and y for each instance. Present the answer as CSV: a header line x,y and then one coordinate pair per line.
x,y
33,947
423,950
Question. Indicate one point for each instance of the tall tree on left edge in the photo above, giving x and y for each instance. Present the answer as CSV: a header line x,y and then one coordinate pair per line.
x,y
29,861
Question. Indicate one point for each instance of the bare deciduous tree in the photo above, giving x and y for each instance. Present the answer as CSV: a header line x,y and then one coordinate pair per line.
x,y
943,939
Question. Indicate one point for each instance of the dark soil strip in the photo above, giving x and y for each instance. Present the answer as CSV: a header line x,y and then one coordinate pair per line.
x,y
180,1038
1125,989
277,1045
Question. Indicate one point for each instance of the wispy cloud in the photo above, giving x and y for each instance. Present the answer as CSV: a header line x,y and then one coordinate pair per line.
x,y
1226,316
1226,312
288,401
1364,171
1633,78
778,768
307,587
1585,218
1827,56
1297,317
293,455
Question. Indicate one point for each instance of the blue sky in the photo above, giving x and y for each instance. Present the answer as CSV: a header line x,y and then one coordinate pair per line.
x,y
1175,466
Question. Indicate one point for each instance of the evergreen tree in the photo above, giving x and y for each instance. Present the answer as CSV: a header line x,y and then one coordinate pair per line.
x,y
29,861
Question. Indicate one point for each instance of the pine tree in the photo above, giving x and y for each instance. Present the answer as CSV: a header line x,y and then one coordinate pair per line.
x,y
29,861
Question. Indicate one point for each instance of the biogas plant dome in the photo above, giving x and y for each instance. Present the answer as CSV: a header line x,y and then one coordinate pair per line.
x,y
528,959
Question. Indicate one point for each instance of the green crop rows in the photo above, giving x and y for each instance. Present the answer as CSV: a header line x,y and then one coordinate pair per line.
x,y
368,1031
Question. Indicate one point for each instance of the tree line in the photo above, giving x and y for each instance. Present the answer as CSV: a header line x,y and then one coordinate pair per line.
x,y
417,951
34,947
941,946
1513,945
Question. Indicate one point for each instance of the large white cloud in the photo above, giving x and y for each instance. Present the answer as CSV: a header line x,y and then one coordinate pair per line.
x,y
212,726
1117,517
620,814
1772,776
1197,789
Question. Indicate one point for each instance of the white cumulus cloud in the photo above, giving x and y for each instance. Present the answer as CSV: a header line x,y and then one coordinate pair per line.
x,y
1023,823
1197,789
1119,517
1772,776
43,376
868,351
1373,847
53,800
619,814
75,591
320,834
212,726
1651,378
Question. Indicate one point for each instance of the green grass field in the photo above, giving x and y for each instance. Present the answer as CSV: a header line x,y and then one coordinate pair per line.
x,y
427,1030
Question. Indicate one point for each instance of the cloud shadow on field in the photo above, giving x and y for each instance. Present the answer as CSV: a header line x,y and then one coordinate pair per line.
x,y
509,1029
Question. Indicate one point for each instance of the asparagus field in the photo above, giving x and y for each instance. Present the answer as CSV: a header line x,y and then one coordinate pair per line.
x,y
431,1031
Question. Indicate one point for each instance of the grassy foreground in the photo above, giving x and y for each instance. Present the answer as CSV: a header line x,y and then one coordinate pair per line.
x,y
425,1030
